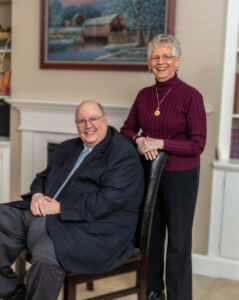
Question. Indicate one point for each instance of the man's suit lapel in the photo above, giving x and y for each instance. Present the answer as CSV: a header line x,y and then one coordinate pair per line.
x,y
97,152
68,165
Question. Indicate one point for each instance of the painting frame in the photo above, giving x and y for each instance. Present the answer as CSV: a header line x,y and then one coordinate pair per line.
x,y
169,27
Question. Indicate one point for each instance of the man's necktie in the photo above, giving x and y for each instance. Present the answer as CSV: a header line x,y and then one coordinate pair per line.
x,y
82,156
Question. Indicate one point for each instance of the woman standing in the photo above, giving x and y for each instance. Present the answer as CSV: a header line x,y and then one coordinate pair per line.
x,y
171,117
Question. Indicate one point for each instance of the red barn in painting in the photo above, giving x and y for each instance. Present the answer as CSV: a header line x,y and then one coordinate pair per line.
x,y
101,27
77,20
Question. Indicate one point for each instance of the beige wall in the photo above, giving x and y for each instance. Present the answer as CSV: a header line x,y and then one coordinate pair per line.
x,y
199,27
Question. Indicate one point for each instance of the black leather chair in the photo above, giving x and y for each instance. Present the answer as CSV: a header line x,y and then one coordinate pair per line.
x,y
138,262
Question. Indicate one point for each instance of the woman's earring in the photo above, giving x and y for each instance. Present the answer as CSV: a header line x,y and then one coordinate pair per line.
x,y
150,71
177,68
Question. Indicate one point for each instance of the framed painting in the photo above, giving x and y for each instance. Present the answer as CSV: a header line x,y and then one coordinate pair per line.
x,y
101,34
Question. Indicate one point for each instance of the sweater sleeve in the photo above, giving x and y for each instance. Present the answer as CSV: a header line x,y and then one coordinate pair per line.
x,y
196,124
130,128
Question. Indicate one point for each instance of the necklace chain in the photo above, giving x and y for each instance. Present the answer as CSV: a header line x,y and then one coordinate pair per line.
x,y
157,111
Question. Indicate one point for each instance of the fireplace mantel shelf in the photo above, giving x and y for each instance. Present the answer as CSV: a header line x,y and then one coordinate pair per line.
x,y
58,116
22,104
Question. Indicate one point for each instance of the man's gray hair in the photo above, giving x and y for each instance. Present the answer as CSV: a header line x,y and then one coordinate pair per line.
x,y
166,39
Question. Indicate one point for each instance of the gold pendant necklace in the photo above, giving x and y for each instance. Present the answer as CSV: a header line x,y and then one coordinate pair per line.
x,y
157,111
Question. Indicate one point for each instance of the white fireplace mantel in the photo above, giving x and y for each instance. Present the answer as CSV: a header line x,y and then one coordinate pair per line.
x,y
43,122
58,116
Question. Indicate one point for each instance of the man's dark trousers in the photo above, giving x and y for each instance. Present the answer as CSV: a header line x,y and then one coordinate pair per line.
x,y
19,229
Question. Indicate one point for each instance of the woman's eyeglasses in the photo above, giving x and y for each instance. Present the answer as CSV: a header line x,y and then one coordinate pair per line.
x,y
163,57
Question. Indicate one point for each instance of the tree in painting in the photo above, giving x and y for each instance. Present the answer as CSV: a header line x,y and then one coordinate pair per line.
x,y
139,14
86,10
56,11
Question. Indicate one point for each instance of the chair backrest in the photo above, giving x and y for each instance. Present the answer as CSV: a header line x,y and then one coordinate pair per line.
x,y
153,172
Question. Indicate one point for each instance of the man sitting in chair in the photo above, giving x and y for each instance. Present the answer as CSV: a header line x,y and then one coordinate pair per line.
x,y
80,214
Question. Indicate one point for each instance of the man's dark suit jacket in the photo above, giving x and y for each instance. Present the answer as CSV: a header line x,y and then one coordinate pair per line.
x,y
99,205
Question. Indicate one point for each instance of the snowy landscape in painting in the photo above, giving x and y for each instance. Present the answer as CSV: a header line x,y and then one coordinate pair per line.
x,y
103,30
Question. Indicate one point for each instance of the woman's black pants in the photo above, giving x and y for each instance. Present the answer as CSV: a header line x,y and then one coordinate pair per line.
x,y
174,213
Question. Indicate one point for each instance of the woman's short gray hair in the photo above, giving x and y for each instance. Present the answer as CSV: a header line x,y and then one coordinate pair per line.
x,y
167,39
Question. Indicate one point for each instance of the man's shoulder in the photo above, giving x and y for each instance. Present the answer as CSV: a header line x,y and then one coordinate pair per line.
x,y
118,138
68,144
121,145
66,148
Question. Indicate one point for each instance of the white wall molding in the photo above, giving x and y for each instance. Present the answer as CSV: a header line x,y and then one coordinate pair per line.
x,y
229,70
216,214
220,262
214,266
58,116
4,169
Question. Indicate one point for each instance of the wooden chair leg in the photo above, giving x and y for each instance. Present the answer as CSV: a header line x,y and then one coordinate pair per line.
x,y
70,290
90,286
65,288
20,269
142,280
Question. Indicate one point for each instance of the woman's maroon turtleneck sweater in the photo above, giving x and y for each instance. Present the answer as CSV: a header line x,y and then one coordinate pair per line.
x,y
181,123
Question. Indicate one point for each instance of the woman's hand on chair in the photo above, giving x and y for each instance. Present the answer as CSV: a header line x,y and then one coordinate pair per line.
x,y
149,147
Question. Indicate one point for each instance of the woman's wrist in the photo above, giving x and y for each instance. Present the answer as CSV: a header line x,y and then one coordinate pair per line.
x,y
135,137
161,144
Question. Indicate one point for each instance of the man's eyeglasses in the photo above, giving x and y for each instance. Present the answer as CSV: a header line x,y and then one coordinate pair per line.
x,y
92,121
164,58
